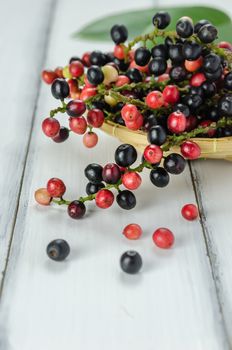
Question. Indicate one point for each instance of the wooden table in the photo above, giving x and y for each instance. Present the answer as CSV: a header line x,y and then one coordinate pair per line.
x,y
182,298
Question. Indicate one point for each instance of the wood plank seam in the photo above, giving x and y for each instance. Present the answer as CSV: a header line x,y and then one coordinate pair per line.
x,y
209,250
50,19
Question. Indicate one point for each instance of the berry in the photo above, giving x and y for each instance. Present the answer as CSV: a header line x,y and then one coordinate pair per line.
x,y
191,50
190,212
175,52
110,74
97,58
62,135
76,68
197,79
225,45
59,72
134,75
142,56
95,118
212,114
129,112
73,88
95,75
125,155
228,81
159,177
193,101
121,64
157,66
154,99
76,209
160,51
42,196
126,199
149,121
49,76
157,135
87,93
184,27
75,58
58,250
171,94
93,188
75,108
192,66
111,173
60,89
209,89
119,34
90,139
78,125
119,52
153,154
191,123
211,63
190,150
182,108
200,24
56,187
163,238
86,59
176,122
135,125
215,75
131,180
132,231
66,73
225,106
207,33
174,164
93,172
122,80
161,19
50,127
104,199
178,74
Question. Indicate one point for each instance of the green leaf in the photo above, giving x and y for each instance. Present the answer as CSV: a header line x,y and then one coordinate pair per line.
x,y
139,21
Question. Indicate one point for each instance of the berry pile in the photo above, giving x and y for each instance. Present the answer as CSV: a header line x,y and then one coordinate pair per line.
x,y
173,86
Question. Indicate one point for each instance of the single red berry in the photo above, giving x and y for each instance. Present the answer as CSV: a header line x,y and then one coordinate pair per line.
x,y
122,80
190,150
90,139
76,209
143,69
191,122
225,45
176,122
87,93
76,68
190,212
42,196
75,108
206,124
59,72
163,77
49,76
136,124
129,112
86,59
56,187
132,231
163,238
197,79
171,94
50,127
131,180
78,125
153,154
192,66
95,117
154,99
104,199
111,173
119,51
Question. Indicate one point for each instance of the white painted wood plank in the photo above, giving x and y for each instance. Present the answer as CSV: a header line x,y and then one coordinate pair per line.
x,y
86,302
22,42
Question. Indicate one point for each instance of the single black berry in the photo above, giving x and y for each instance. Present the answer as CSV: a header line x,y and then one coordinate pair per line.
x,y
211,63
157,135
149,121
175,53
178,74
131,262
209,89
93,188
119,33
134,75
212,114
193,101
200,24
174,163
122,64
157,66
159,177
142,56
60,89
184,27
207,33
160,50
58,250
191,50
93,172
126,199
76,209
182,108
215,75
98,58
228,81
125,155
161,19
95,75
62,135
225,106
118,120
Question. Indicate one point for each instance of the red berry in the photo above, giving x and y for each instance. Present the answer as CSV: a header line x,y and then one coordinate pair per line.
x,y
153,154
75,108
119,52
154,99
163,77
176,122
111,173
90,139
225,45
49,76
56,187
104,199
192,66
76,68
86,59
131,180
197,79
163,238
122,80
190,212
50,127
73,88
87,93
129,112
78,125
143,69
59,72
190,150
95,117
42,196
136,124
191,122
132,231
171,94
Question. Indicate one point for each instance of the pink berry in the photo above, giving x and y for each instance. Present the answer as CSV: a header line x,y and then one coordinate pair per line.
x,y
190,150
163,77
49,76
95,117
122,80
153,154
56,187
131,180
225,45
176,122
90,139
197,79
50,127
135,125
190,212
163,238
132,231
129,113
104,199
76,68
154,99
42,196
171,94
78,125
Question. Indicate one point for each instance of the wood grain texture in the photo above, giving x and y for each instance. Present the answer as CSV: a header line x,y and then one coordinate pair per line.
x,y
21,62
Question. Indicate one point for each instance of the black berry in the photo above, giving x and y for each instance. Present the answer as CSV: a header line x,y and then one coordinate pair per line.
x,y
58,250
157,66
159,177
175,52
161,19
178,74
60,89
193,101
209,89
95,75
160,51
228,81
157,135
215,75
131,262
191,50
134,75
93,172
174,163
93,188
142,56
200,24
119,33
184,27
126,199
76,209
125,155
207,33
98,58
211,63
62,135
225,106
182,108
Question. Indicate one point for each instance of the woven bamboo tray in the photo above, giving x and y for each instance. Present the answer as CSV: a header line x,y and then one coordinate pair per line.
x,y
213,148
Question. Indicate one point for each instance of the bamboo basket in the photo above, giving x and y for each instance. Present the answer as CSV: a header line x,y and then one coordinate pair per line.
x,y
213,148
